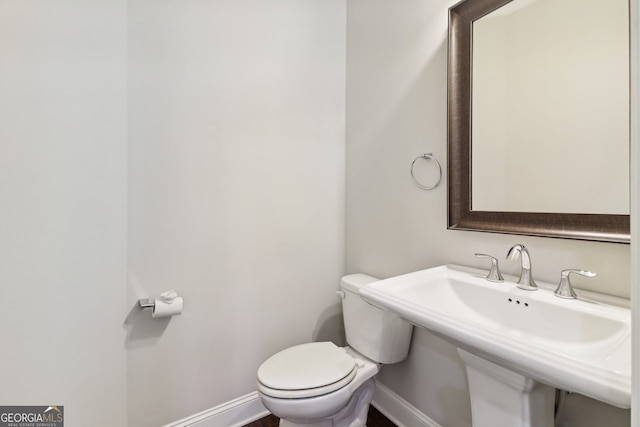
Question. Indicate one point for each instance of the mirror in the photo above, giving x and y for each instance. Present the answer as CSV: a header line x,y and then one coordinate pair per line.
x,y
539,118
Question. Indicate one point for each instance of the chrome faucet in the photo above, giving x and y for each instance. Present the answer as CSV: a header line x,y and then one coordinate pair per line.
x,y
526,281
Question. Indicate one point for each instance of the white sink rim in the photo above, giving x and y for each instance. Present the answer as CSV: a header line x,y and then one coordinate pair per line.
x,y
610,384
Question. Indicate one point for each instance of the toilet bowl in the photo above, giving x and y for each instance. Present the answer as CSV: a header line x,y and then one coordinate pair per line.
x,y
322,385
313,384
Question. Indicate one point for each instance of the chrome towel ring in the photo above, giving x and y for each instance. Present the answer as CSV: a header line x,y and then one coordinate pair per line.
x,y
426,156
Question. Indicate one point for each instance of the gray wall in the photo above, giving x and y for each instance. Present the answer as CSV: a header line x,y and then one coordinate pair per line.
x,y
396,110
63,154
236,192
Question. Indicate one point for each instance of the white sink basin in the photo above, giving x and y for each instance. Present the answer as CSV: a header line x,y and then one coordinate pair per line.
x,y
576,345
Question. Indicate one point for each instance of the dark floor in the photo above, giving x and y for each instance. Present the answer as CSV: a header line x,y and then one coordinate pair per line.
x,y
375,419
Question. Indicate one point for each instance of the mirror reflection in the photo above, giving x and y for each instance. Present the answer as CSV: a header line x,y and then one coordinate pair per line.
x,y
550,107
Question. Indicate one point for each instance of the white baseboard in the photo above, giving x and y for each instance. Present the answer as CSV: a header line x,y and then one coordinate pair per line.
x,y
398,410
235,413
248,408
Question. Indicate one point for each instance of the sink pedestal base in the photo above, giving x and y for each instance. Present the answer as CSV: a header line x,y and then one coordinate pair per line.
x,y
501,397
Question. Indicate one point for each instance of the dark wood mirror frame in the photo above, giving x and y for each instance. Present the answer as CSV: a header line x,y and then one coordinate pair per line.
x,y
604,228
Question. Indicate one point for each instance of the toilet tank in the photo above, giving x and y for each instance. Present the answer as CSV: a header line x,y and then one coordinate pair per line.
x,y
380,335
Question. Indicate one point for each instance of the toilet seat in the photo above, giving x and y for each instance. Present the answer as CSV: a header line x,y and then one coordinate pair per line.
x,y
306,370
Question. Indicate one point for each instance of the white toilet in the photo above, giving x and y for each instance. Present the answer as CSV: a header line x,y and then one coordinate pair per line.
x,y
322,385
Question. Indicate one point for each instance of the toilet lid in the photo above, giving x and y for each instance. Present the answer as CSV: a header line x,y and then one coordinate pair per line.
x,y
306,366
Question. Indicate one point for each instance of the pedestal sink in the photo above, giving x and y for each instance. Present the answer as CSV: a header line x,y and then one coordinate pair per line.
x,y
517,345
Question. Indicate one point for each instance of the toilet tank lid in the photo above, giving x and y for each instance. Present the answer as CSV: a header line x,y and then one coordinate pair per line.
x,y
353,282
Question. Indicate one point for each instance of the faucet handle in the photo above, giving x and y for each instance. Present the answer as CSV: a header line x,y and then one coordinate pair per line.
x,y
564,289
494,273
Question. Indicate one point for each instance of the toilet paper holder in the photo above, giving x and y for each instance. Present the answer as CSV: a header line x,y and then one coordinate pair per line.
x,y
146,303
166,304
